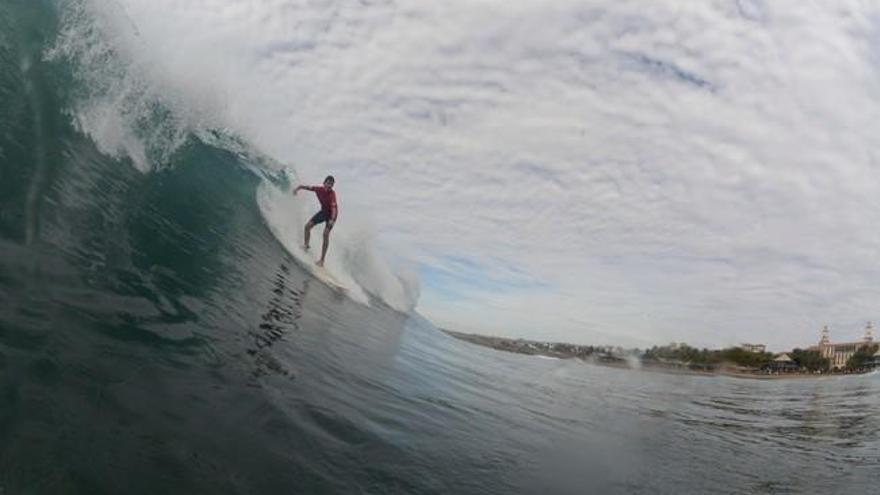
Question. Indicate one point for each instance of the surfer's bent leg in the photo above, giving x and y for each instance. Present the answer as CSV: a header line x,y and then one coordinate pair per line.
x,y
307,233
327,228
317,218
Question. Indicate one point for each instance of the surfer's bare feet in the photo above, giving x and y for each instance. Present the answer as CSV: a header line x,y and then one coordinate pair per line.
x,y
319,263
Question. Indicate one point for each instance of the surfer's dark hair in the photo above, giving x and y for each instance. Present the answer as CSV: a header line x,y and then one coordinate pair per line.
x,y
330,178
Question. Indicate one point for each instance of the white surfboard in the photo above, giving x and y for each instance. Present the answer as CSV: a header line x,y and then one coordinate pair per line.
x,y
325,276
321,273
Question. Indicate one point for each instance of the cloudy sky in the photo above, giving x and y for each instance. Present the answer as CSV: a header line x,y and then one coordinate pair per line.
x,y
629,172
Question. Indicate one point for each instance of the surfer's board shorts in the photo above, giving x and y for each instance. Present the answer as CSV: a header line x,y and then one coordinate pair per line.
x,y
321,217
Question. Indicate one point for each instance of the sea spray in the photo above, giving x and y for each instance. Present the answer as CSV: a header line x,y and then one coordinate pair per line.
x,y
116,101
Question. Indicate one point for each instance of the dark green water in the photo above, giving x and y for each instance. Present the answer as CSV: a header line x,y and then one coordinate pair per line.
x,y
155,337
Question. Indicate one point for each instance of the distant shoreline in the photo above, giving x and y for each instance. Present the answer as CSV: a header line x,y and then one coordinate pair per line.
x,y
605,356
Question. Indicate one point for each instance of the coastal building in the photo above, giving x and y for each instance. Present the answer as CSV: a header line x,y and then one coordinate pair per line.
x,y
838,354
875,362
759,348
782,362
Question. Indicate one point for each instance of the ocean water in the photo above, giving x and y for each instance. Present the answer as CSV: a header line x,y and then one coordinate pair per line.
x,y
156,336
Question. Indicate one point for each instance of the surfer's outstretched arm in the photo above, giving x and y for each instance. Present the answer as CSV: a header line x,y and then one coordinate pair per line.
x,y
303,188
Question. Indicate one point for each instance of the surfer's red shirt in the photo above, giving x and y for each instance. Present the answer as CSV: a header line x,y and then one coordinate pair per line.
x,y
327,198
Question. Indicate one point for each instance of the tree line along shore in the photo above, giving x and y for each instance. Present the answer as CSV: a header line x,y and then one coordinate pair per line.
x,y
680,357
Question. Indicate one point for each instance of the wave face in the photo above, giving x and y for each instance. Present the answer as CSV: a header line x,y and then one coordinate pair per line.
x,y
156,336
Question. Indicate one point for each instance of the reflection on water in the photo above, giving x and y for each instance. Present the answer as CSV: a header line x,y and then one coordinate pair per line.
x,y
283,312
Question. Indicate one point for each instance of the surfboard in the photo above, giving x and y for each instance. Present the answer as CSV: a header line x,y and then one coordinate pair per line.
x,y
325,276
321,273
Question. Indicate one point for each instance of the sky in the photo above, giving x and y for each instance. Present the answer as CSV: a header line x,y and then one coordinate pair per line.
x,y
597,172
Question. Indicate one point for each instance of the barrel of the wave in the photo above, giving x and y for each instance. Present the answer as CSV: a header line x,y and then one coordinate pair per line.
x,y
327,215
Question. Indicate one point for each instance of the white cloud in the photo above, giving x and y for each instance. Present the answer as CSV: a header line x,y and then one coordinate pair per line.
x,y
652,170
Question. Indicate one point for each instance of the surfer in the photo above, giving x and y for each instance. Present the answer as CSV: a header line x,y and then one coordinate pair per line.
x,y
327,215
